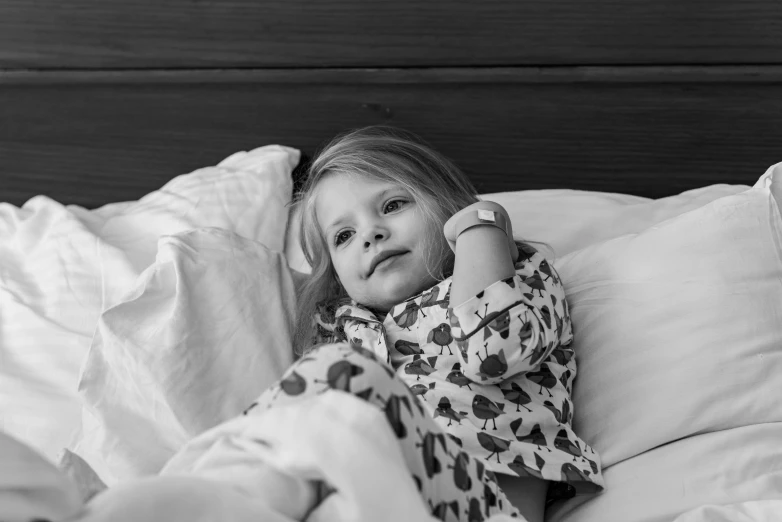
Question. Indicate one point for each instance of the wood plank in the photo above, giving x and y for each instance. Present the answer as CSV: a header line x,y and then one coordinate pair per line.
x,y
395,76
91,144
368,33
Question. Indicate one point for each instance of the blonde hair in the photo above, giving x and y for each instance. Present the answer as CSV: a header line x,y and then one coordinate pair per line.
x,y
387,154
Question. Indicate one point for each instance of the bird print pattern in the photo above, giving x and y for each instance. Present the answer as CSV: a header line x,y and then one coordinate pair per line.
x,y
496,371
454,485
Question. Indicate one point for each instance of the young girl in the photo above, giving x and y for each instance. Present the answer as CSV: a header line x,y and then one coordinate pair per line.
x,y
444,321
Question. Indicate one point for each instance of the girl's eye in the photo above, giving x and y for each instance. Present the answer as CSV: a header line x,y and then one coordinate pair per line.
x,y
341,237
395,202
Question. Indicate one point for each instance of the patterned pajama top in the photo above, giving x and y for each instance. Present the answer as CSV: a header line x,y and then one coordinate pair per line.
x,y
496,371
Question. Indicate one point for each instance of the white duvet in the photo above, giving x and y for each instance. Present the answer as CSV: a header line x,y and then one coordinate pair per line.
x,y
334,437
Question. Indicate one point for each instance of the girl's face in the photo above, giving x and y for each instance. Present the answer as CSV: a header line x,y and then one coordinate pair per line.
x,y
363,218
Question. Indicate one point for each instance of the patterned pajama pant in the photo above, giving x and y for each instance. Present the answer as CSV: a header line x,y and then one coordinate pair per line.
x,y
455,485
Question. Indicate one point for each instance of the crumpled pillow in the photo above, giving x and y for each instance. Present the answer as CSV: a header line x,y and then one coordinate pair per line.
x,y
61,266
200,335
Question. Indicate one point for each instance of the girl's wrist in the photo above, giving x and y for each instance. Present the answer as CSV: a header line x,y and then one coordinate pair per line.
x,y
481,240
482,216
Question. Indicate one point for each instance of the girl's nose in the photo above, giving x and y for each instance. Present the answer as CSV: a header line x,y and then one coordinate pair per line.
x,y
374,235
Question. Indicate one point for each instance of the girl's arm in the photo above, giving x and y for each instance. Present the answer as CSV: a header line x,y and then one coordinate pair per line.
x,y
504,322
484,253
482,258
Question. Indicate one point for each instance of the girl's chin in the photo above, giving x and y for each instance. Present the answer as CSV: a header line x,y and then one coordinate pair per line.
x,y
394,289
404,290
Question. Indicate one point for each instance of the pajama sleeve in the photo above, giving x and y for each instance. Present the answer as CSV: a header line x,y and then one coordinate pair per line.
x,y
513,325
353,324
367,335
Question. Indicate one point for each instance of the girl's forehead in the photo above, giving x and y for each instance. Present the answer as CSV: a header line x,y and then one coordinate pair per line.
x,y
351,187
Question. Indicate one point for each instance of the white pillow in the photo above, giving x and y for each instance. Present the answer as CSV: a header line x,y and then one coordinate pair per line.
x,y
60,266
753,511
677,329
202,333
723,467
568,220
247,193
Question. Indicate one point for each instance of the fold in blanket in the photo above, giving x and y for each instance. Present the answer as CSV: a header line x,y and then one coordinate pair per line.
x,y
252,468
333,437
247,469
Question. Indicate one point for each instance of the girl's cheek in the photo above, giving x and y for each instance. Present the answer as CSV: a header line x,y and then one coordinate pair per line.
x,y
339,266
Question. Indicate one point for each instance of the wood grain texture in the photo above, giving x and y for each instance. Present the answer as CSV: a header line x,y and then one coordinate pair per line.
x,y
91,143
368,33
398,76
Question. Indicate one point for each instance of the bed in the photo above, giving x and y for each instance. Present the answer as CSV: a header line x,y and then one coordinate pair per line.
x,y
148,148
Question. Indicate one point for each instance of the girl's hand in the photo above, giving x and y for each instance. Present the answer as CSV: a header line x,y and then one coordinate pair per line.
x,y
449,229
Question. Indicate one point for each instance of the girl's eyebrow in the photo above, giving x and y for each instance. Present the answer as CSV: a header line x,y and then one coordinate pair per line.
x,y
344,217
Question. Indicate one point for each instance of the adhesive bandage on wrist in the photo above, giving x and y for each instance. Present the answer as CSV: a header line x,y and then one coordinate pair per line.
x,y
481,217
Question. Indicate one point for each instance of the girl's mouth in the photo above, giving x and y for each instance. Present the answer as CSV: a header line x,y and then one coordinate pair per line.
x,y
387,262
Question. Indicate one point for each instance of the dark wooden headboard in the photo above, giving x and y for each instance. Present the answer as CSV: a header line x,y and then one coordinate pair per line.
x,y
105,100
